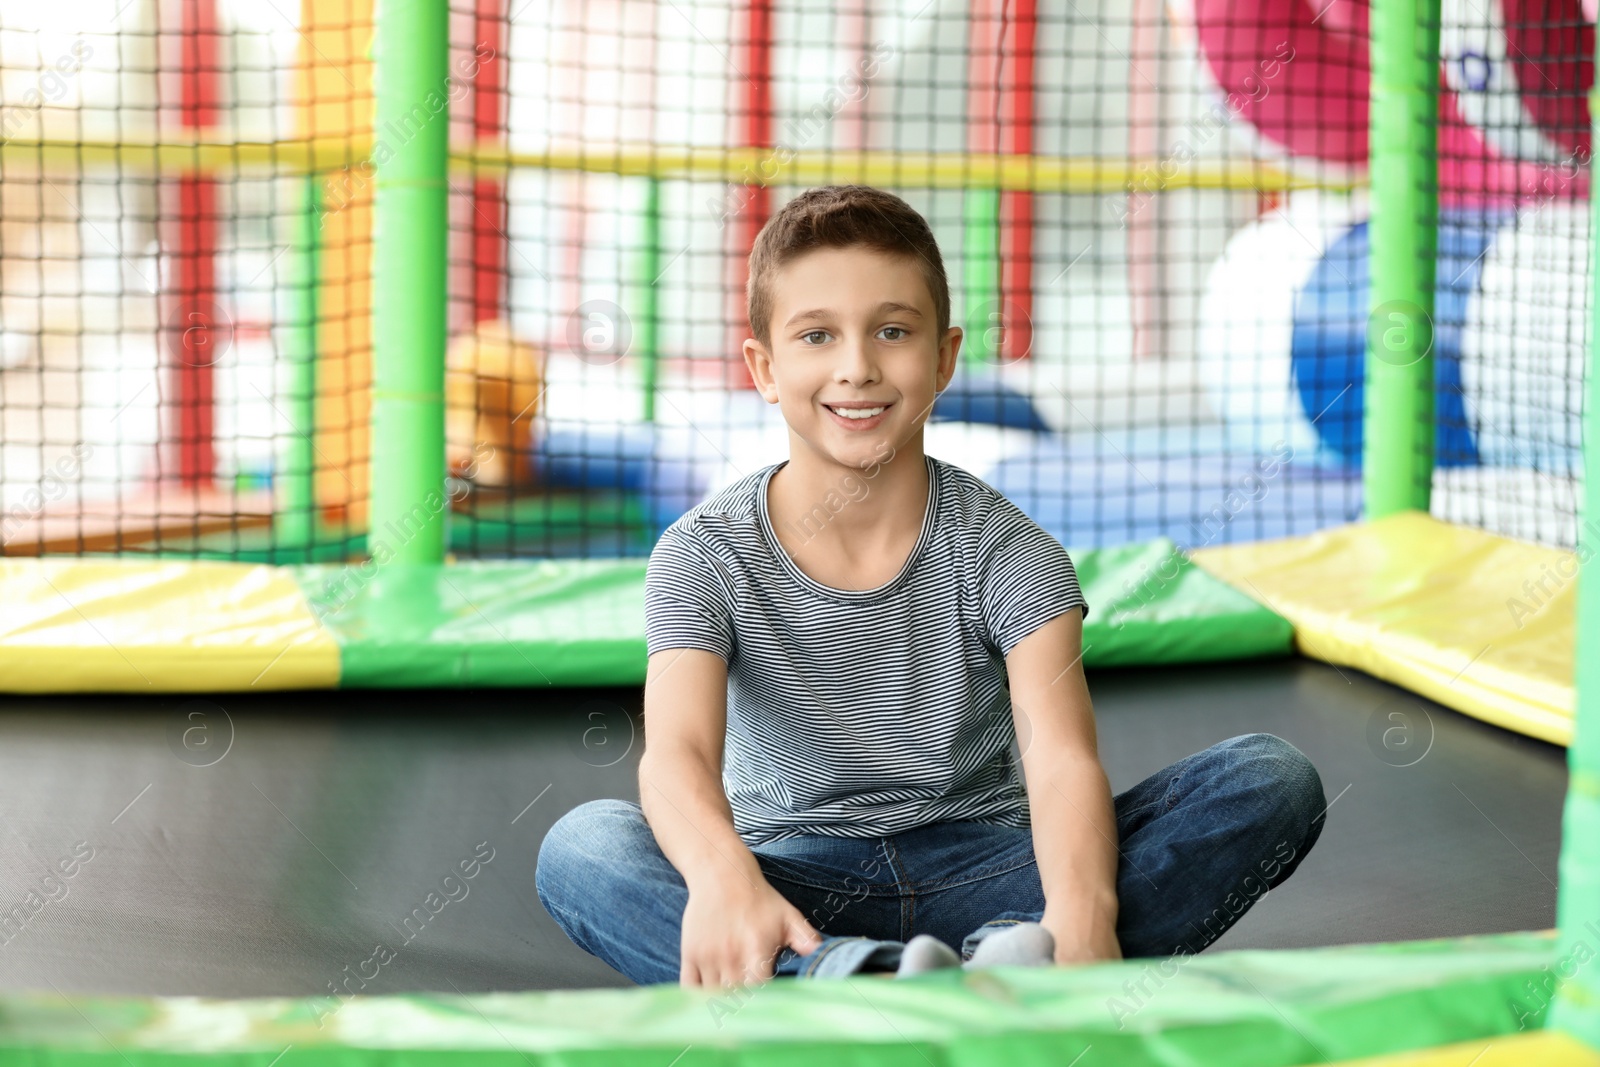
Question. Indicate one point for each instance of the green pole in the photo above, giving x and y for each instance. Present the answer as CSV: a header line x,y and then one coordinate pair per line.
x,y
294,503
1577,1001
409,229
980,246
1397,461
649,304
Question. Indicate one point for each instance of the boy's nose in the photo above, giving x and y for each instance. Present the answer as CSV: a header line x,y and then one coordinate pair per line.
x,y
857,362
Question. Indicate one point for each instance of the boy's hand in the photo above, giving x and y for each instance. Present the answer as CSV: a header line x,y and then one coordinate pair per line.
x,y
733,932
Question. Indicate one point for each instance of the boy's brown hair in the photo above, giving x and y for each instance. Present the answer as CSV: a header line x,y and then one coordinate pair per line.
x,y
841,216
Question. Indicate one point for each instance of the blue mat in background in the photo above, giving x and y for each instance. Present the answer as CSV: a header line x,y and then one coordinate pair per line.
x,y
1091,491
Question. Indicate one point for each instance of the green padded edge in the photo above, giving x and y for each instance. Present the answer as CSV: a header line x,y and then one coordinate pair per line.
x,y
581,622
525,623
1149,605
1239,1009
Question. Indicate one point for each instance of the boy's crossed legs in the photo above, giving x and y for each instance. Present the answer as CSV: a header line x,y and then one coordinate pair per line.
x,y
1200,842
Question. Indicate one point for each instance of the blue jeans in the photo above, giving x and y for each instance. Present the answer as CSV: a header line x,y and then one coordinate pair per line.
x,y
1200,842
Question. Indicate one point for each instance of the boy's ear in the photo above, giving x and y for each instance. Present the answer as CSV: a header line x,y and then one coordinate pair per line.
x,y
949,349
759,362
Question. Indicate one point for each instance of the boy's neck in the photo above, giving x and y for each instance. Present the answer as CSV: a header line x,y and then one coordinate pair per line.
x,y
840,523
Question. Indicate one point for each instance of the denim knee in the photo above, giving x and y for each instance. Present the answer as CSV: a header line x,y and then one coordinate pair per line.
x,y
1279,761
592,836
1294,781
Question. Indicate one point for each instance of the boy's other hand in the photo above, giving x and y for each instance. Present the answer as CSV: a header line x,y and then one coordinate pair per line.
x,y
733,932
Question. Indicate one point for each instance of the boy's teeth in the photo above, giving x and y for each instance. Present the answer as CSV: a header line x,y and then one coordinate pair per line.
x,y
857,413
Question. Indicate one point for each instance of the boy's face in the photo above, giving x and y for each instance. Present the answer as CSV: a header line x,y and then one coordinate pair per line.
x,y
856,360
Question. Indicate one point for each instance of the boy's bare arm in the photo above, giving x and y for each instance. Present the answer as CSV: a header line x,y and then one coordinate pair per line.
x,y
735,922
680,772
1074,820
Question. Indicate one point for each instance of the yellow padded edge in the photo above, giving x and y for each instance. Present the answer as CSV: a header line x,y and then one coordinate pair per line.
x,y
1544,1048
1476,622
157,626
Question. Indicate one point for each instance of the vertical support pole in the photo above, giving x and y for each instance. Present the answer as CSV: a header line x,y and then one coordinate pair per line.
x,y
1397,461
197,327
644,305
410,229
980,236
334,90
294,505
1143,221
192,329
998,240
980,247
1018,33
648,336
488,194
754,121
1577,1000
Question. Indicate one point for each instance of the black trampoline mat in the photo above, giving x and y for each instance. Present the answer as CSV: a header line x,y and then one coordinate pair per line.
x,y
324,820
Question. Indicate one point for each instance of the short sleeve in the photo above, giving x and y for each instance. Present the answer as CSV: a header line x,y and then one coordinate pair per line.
x,y
685,601
1027,581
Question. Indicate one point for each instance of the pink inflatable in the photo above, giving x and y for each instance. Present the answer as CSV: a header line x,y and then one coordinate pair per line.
x,y
1302,78
1550,46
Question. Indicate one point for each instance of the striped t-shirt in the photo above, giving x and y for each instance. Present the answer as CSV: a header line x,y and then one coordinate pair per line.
x,y
860,713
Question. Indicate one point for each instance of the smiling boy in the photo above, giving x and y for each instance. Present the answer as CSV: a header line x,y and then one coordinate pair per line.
x,y
844,648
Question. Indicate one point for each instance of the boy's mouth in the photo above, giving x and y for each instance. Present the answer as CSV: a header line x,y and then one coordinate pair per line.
x,y
857,415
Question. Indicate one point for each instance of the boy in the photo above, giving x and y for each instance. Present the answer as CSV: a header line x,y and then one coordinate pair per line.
x,y
861,633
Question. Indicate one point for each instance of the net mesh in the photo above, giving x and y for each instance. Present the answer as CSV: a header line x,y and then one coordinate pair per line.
x,y
1165,300
1514,283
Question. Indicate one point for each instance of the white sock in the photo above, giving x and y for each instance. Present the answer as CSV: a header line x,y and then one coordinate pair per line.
x,y
926,953
1023,945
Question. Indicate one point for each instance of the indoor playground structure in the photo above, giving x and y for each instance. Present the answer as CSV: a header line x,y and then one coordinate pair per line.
x,y
369,347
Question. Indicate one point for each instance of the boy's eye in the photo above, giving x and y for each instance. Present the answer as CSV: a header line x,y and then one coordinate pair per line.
x,y
817,337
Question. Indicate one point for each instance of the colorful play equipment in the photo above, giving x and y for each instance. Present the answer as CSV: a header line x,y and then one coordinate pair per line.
x,y
1495,268
496,363
1507,319
1510,128
492,393
1527,109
